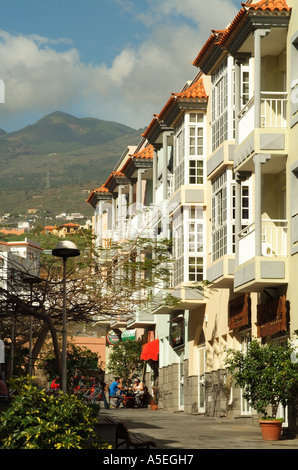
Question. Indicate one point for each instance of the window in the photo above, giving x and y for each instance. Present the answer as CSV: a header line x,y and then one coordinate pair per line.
x,y
179,154
244,87
196,172
195,268
223,104
219,216
195,229
195,243
188,236
220,105
245,208
196,148
178,252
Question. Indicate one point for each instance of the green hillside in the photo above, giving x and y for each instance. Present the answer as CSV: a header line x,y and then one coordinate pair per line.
x,y
60,133
59,155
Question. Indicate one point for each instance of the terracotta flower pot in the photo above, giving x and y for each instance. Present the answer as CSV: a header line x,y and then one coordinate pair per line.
x,y
153,407
271,429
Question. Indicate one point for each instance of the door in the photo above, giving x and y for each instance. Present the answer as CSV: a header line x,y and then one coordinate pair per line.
x,y
181,380
201,378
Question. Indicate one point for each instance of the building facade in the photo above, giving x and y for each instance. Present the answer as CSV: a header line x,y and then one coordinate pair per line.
x,y
219,166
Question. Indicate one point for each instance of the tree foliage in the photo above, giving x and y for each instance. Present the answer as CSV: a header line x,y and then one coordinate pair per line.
x,y
80,362
101,284
36,420
124,360
266,375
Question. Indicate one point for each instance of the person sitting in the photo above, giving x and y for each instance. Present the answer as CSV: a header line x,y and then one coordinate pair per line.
x,y
139,391
117,384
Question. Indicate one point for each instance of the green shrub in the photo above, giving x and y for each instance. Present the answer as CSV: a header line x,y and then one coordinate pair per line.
x,y
266,374
36,420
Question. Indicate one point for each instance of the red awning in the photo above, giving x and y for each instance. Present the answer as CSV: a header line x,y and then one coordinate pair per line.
x,y
150,351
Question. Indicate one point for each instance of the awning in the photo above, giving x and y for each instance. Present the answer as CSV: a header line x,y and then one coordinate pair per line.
x,y
150,351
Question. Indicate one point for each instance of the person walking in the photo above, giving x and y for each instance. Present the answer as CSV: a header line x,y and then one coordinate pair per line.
x,y
100,388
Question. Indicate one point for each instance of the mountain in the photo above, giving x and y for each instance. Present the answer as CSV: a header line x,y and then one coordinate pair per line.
x,y
55,155
60,133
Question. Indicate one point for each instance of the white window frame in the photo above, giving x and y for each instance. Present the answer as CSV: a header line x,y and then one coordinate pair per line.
x,y
223,103
179,154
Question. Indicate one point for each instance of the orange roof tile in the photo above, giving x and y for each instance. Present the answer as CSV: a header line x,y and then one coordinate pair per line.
x,y
151,125
219,38
146,153
70,224
195,91
272,6
209,45
12,231
101,189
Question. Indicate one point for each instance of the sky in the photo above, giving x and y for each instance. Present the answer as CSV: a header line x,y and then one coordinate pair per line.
x,y
117,60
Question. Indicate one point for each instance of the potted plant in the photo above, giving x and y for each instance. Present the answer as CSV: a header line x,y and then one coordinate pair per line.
x,y
268,378
154,401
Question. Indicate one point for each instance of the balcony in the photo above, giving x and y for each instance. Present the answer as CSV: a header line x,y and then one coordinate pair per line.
x,y
273,113
186,296
270,269
141,319
221,271
274,109
274,240
270,138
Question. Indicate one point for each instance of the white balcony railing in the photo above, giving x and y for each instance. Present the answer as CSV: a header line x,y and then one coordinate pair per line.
x,y
273,113
274,240
141,224
273,109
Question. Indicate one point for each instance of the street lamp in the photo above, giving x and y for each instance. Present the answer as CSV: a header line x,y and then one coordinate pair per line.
x,y
64,250
30,279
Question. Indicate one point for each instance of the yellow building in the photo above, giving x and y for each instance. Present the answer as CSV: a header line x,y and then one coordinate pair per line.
x,y
224,178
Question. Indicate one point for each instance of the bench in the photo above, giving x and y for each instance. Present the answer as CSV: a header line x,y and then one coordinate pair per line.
x,y
131,439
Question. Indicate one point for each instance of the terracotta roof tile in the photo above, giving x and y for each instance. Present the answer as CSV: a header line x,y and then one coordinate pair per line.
x,y
150,127
267,6
209,46
12,231
101,189
146,153
219,38
270,5
196,91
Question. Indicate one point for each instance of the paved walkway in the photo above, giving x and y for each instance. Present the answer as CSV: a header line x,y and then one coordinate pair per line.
x,y
184,431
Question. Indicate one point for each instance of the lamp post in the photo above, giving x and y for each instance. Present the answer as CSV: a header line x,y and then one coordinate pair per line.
x,y
30,279
64,250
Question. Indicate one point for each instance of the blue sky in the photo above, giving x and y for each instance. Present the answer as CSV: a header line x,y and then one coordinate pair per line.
x,y
117,60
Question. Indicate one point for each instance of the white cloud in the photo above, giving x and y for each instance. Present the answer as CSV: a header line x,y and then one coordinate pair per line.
x,y
138,83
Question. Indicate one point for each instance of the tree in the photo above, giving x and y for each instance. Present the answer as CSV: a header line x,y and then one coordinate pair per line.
x,y
81,362
101,284
266,375
124,360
